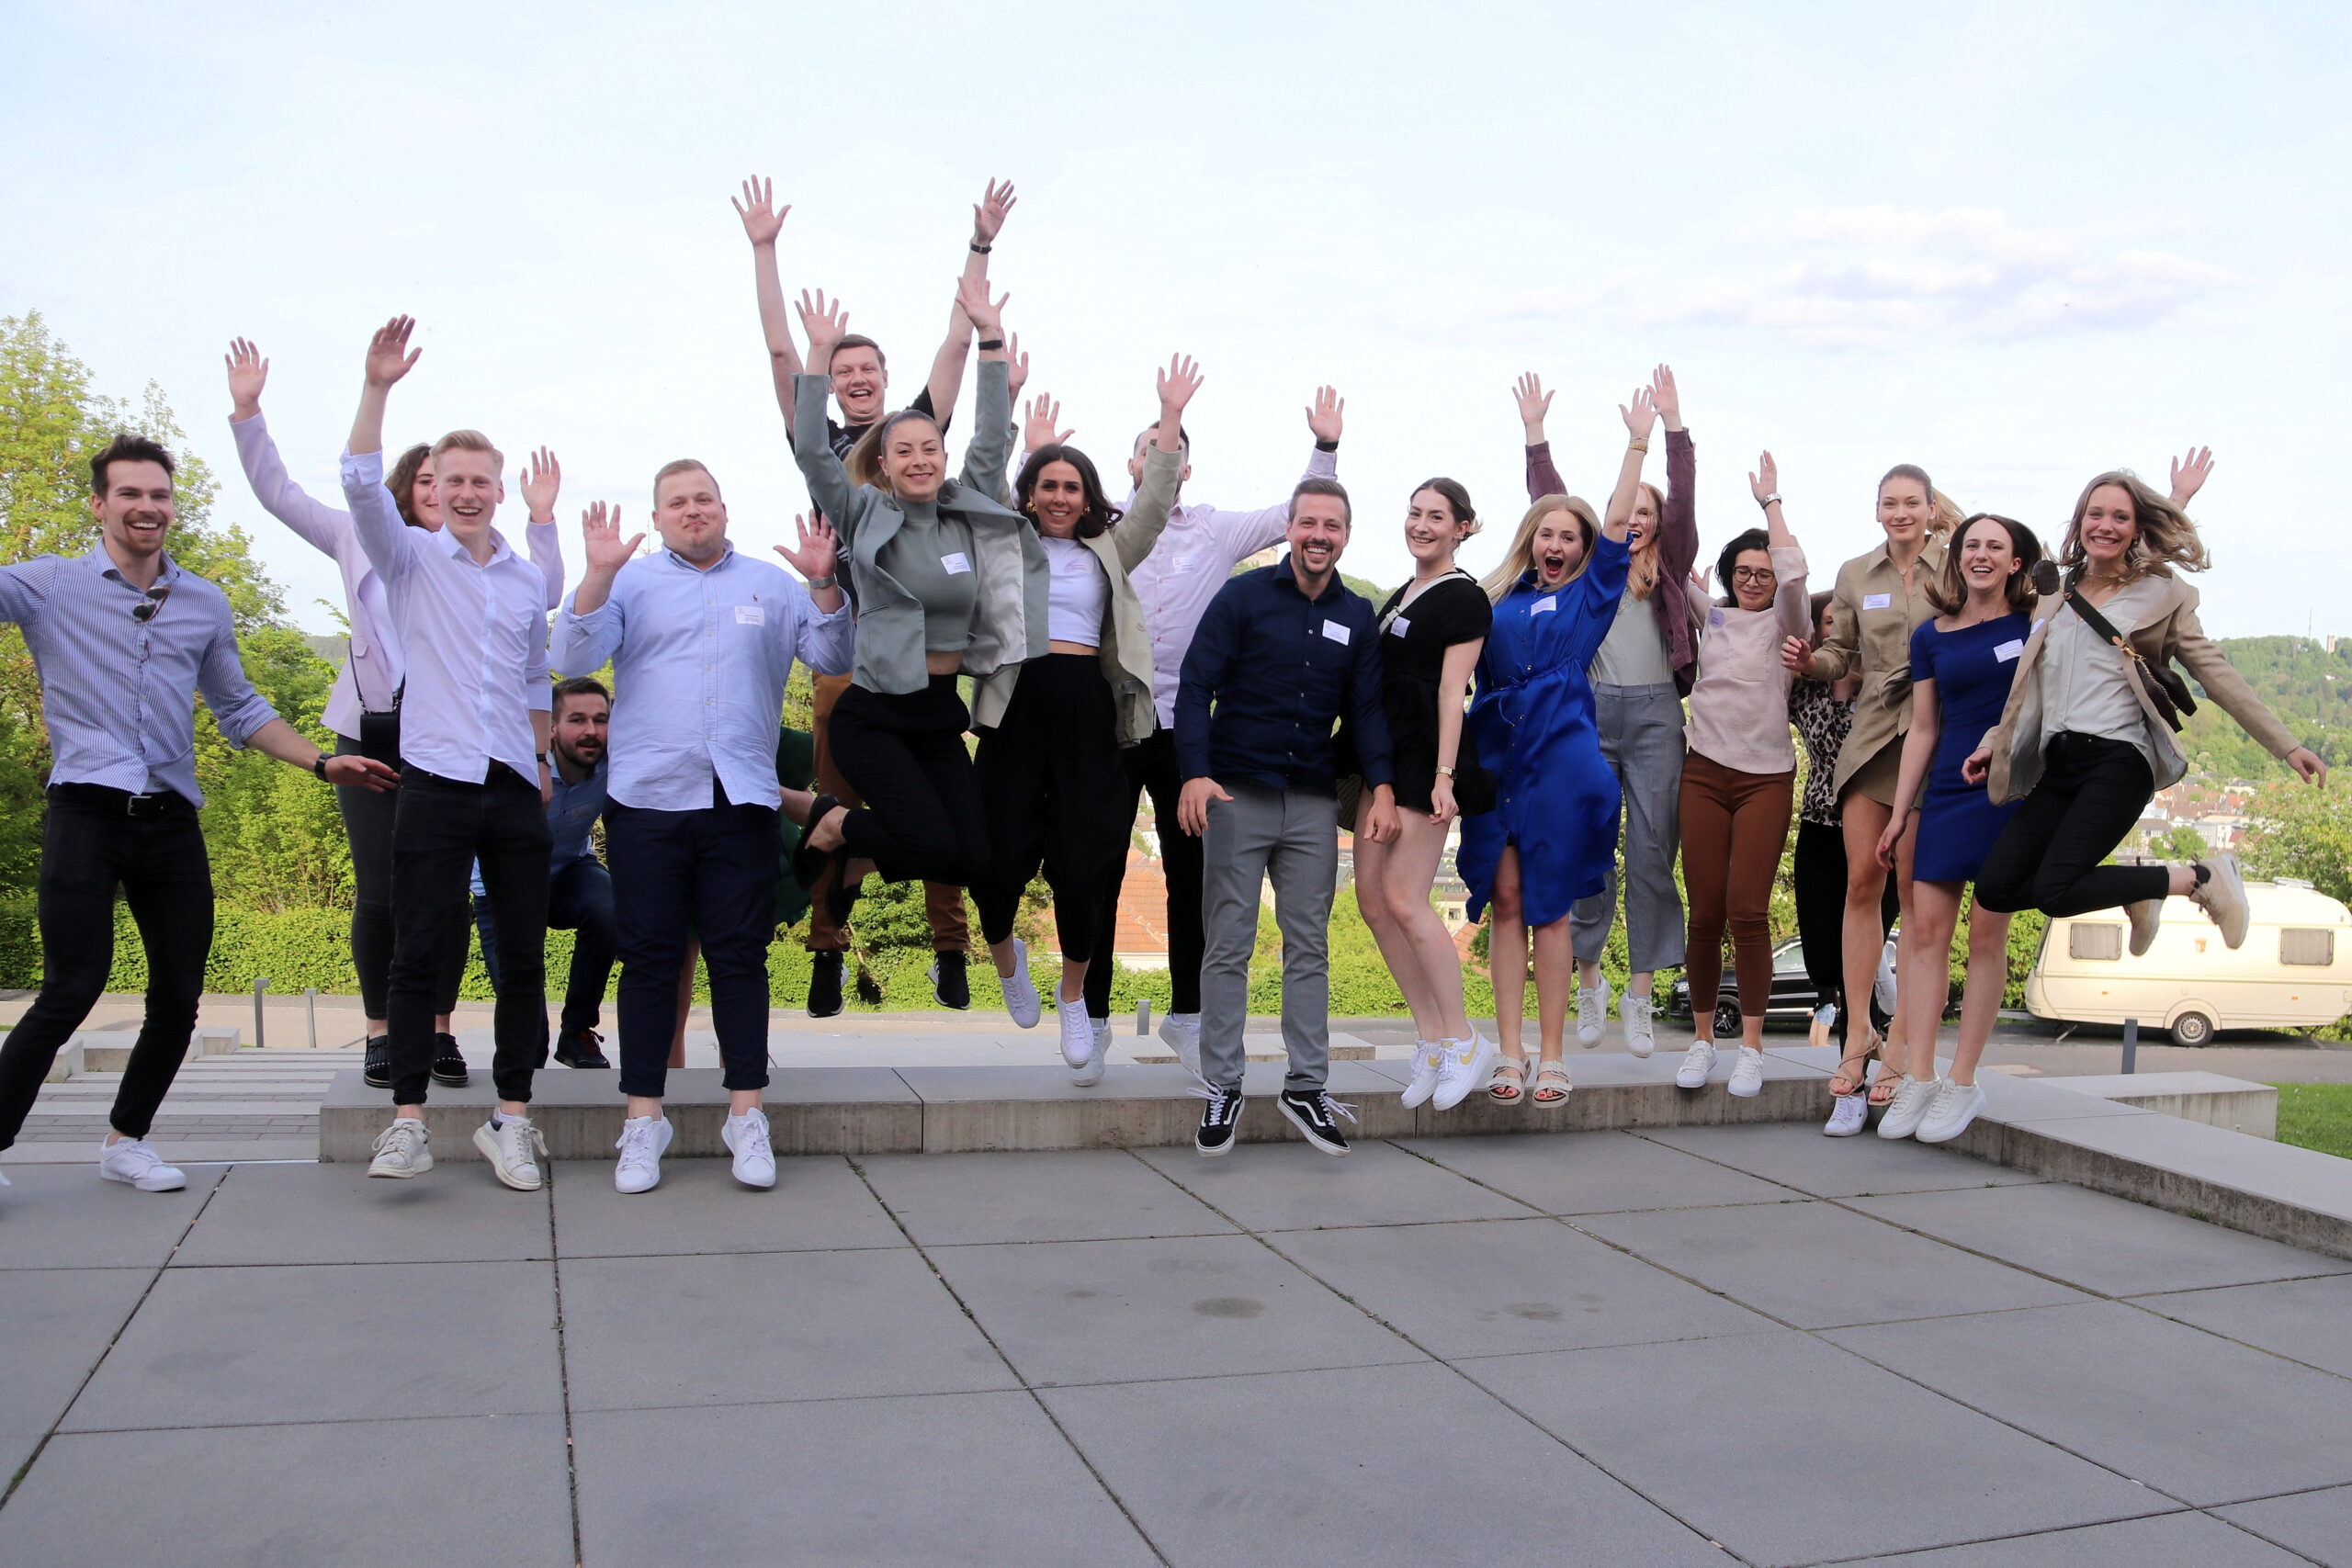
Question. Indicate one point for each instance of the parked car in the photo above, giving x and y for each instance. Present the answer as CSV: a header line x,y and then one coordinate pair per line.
x,y
1793,998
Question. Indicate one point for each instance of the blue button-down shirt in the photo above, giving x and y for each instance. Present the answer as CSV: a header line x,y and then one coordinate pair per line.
x,y
1268,672
699,661
119,694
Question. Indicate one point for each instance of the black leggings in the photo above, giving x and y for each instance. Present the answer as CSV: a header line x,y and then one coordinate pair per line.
x,y
904,755
1151,768
1051,785
2090,794
368,824
1819,871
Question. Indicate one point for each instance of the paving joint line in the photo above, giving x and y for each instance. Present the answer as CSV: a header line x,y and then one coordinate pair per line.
x,y
563,1368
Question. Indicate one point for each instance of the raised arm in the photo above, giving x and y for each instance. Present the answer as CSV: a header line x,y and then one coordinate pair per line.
x,y
762,220
1162,464
1244,533
542,482
1678,531
827,641
2190,473
2210,669
989,454
321,526
824,323
1534,402
382,532
1641,417
1790,597
947,365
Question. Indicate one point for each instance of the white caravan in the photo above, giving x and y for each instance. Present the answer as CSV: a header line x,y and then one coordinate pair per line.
x,y
2293,972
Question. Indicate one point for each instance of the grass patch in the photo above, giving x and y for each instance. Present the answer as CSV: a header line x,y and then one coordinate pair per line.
x,y
2316,1116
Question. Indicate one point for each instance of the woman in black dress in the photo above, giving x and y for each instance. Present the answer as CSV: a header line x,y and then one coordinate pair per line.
x,y
1431,633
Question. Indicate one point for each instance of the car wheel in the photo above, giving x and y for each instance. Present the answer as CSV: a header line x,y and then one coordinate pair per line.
x,y
2192,1028
1726,1019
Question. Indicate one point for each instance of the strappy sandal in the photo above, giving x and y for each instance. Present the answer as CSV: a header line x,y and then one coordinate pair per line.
x,y
1552,1085
1888,1079
1511,1089
1854,1068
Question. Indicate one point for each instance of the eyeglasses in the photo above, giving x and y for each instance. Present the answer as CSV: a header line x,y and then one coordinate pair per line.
x,y
147,609
1754,574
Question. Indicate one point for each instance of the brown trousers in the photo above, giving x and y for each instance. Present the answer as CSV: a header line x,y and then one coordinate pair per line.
x,y
942,903
1733,826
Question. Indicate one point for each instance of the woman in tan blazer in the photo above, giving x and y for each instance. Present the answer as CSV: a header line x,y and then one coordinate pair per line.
x,y
2081,744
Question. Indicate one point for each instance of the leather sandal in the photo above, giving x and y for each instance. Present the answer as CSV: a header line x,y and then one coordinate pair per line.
x,y
1510,1089
1854,1069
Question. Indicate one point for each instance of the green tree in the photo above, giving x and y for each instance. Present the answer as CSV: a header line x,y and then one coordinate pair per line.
x,y
2293,829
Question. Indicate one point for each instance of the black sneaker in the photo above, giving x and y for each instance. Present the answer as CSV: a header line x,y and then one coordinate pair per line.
x,y
448,1062
581,1048
1219,1119
949,985
1316,1114
824,984
376,1072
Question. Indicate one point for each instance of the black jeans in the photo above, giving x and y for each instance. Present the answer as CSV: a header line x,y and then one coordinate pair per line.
x,y
904,755
444,828
368,824
1151,767
2090,794
90,846
1818,870
710,874
1052,786
580,899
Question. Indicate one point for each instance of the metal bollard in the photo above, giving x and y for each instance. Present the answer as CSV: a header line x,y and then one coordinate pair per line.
x,y
2130,1044
310,1007
261,984
1143,1017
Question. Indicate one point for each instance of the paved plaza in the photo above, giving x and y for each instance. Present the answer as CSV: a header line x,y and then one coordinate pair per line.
x,y
1686,1346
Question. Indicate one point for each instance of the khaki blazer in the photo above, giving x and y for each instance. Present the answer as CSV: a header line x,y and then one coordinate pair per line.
x,y
1875,642
2169,632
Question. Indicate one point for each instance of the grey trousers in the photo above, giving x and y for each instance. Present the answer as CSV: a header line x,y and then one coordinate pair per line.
x,y
1641,734
1291,837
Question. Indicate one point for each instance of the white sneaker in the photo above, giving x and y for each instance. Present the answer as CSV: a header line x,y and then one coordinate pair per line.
x,y
1883,985
1592,1012
135,1160
1697,1062
1848,1114
1180,1032
401,1150
1748,1073
2146,914
1908,1105
1428,1057
641,1142
512,1147
1077,1032
1949,1114
1020,996
1463,1068
1640,1039
2222,897
1090,1075
746,1137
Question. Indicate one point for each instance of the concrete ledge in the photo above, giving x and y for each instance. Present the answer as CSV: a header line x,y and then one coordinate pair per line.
x,y
109,1050
2218,1101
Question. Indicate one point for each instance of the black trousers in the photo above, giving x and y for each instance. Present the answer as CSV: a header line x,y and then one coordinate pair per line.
x,y
368,824
580,899
904,755
1151,768
1819,869
90,846
1052,788
2090,794
444,827
708,874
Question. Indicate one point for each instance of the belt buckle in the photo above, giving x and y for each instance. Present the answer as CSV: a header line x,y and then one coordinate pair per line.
x,y
140,806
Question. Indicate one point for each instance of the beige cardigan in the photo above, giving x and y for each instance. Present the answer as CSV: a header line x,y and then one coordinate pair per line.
x,y
1875,643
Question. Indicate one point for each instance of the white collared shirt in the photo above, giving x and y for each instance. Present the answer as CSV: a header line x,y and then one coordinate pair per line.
x,y
473,637
2086,681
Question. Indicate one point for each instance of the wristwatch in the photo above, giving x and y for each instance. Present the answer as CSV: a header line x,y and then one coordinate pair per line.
x,y
1446,771
319,764
1768,500
817,585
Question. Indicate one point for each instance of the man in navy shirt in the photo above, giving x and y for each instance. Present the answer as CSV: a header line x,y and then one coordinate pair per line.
x,y
1282,653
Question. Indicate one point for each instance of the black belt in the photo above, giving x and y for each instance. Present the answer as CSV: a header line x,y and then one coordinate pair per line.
x,y
122,803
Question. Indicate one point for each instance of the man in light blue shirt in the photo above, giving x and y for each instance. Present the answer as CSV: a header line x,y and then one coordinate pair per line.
x,y
701,640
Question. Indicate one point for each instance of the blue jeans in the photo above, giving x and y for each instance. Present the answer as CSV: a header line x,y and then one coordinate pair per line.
x,y
580,899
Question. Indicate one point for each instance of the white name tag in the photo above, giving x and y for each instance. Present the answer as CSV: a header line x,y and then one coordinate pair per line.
x,y
751,615
1545,606
1336,632
1399,626
1876,600
2010,649
955,561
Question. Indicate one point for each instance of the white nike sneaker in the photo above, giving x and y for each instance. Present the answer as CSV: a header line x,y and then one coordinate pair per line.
x,y
1464,1069
401,1150
746,1137
1640,1038
641,1142
1180,1032
1697,1062
1020,996
1428,1057
1748,1073
134,1160
1848,1114
1909,1108
512,1147
1592,1012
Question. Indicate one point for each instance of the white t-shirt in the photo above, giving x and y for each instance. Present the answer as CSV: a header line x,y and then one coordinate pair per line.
x,y
1080,593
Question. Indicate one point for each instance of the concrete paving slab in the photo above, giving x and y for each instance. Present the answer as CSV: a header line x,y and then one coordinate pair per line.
x,y
1056,1195
334,1342
2168,1538
1747,1438
2317,1524
67,1216
1505,1287
758,1327
337,1213
2308,1320
1386,1465
818,1204
348,1495
916,1481
2206,1420
54,1326
1176,1306
1796,1155
1293,1187
2112,1246
1816,1264
1597,1174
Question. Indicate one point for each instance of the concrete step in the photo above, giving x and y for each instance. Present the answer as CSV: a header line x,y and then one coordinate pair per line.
x,y
2210,1097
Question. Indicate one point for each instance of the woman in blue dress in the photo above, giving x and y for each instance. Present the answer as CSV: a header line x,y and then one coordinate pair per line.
x,y
1553,834
1961,663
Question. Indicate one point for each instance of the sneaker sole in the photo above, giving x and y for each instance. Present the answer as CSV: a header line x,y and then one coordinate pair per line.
x,y
383,1082
1211,1151
1307,1130
143,1184
449,1080
488,1145
425,1163
1742,1093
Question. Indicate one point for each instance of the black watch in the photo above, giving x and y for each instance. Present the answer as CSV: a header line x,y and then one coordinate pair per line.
x,y
319,764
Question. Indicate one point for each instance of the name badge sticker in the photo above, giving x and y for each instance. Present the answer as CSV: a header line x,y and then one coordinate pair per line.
x,y
1544,607
751,615
2010,649
1336,632
1876,600
1399,626
1715,615
955,561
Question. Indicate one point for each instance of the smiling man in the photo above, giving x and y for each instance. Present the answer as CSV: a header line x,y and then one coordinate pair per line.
x,y
1282,653
124,639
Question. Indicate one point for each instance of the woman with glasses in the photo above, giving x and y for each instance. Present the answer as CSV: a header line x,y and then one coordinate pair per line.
x,y
1739,781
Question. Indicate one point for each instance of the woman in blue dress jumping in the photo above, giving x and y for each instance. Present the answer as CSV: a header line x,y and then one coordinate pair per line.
x,y
1553,834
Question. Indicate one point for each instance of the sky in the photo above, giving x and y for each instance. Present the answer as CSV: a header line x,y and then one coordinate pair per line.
x,y
2016,243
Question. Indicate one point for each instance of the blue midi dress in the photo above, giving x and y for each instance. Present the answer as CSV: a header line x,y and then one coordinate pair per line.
x,y
1972,669
1532,721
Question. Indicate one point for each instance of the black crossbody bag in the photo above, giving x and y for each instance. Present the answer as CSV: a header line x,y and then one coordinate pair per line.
x,y
2166,692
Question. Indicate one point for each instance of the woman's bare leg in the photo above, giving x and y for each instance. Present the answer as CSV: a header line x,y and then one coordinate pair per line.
x,y
1556,969
1507,955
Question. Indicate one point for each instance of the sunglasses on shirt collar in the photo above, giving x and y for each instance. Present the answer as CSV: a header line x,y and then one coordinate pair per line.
x,y
148,608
